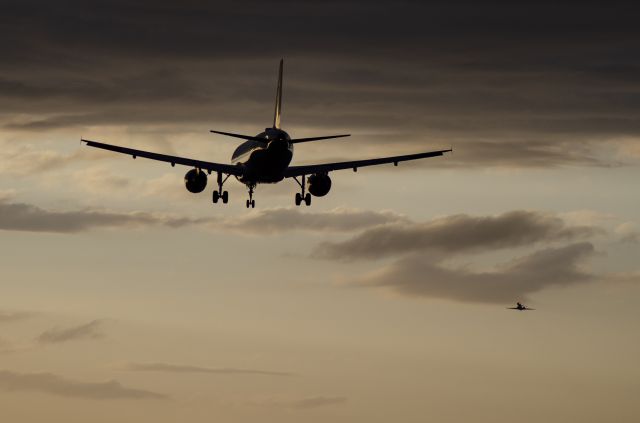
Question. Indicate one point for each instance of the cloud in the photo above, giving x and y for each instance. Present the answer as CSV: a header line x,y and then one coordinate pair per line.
x,y
57,385
454,234
100,180
91,330
628,232
418,276
539,89
23,160
278,220
16,216
31,218
176,368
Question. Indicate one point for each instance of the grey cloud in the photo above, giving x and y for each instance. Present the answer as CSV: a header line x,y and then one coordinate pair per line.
x,y
31,218
177,368
454,234
418,276
545,88
58,385
278,220
16,216
91,330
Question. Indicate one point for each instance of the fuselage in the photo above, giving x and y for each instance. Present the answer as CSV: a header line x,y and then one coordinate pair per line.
x,y
264,161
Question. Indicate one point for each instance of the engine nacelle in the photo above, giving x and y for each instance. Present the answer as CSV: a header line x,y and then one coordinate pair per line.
x,y
319,184
195,180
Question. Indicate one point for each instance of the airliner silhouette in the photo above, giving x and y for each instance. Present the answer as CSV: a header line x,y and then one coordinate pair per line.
x,y
264,158
520,307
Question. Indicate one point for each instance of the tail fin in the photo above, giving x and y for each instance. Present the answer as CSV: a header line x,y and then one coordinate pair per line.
x,y
278,109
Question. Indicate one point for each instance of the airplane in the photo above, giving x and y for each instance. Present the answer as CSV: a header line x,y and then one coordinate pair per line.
x,y
264,158
520,307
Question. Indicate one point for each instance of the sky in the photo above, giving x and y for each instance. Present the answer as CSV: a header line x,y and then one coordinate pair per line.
x,y
126,298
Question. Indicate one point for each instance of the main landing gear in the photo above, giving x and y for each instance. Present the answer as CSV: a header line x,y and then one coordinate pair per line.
x,y
301,196
219,194
251,202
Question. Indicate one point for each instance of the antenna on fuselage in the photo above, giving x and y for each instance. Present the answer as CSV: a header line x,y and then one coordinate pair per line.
x,y
278,109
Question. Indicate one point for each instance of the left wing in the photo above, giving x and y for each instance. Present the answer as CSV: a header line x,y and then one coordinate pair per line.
x,y
328,167
210,166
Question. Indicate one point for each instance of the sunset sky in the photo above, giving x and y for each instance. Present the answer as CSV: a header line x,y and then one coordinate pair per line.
x,y
124,298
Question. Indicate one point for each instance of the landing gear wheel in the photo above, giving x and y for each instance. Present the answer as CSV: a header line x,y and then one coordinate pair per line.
x,y
302,196
219,194
251,202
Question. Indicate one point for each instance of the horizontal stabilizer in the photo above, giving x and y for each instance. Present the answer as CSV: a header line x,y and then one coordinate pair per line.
x,y
318,138
244,137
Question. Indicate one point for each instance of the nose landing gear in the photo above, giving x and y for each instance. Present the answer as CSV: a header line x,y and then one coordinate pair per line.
x,y
251,202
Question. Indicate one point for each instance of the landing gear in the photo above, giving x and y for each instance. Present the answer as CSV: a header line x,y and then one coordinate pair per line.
x,y
301,196
300,199
251,202
224,197
219,194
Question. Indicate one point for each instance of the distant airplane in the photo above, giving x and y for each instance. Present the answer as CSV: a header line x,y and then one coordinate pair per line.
x,y
264,158
520,307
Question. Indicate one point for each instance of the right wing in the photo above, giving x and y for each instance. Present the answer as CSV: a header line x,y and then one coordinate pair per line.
x,y
210,166
329,167
326,137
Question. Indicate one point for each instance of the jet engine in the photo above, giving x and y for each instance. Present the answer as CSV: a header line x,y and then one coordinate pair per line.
x,y
319,184
195,180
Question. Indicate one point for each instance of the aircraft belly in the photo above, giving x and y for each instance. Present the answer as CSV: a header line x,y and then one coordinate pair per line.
x,y
266,165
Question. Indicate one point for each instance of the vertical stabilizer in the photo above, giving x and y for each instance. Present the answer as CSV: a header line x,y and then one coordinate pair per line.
x,y
278,110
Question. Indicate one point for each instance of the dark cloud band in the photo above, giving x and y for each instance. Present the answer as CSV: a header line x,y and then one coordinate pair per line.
x,y
60,386
454,234
417,276
548,87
